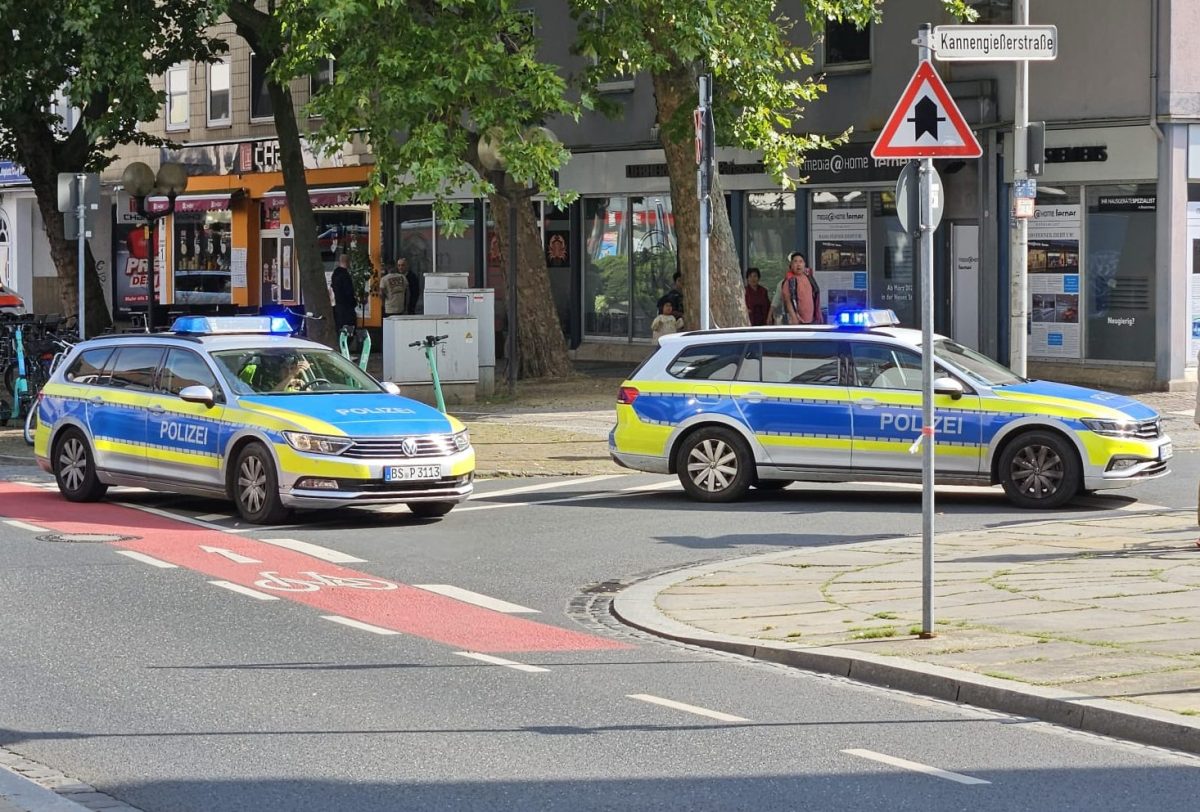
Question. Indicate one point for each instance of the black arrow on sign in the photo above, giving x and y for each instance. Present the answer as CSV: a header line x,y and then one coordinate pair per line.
x,y
926,118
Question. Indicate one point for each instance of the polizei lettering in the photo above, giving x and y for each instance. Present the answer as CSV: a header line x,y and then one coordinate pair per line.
x,y
375,410
187,433
943,424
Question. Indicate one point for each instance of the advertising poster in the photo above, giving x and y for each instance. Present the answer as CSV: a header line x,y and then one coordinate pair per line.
x,y
1193,259
839,258
1054,282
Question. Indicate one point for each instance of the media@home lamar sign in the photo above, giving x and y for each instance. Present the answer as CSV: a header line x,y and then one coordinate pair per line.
x,y
994,43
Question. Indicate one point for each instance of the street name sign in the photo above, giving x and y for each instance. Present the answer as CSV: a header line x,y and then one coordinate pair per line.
x,y
994,43
926,123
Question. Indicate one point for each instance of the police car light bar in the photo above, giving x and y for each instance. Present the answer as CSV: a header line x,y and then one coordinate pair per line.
x,y
865,319
226,325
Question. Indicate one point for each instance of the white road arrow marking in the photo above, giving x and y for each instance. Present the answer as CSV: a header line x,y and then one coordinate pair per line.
x,y
236,558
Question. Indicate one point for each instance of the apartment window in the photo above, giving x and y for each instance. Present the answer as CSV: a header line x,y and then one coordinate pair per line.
x,y
177,97
260,98
68,113
218,93
321,78
992,11
847,44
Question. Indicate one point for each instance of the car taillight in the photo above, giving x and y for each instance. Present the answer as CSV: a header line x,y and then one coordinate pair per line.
x,y
627,395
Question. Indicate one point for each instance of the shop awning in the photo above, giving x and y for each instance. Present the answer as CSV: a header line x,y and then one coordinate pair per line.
x,y
324,196
208,201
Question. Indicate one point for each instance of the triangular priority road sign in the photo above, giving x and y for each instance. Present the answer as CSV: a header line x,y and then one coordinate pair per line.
x,y
926,123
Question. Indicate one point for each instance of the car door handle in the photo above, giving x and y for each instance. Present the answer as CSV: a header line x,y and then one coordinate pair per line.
x,y
868,403
156,409
754,397
97,400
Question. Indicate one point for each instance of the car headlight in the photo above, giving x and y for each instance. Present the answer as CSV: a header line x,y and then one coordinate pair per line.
x,y
462,440
317,443
1111,428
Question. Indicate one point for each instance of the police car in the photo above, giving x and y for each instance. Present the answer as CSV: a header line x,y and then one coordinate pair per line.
x,y
236,408
762,407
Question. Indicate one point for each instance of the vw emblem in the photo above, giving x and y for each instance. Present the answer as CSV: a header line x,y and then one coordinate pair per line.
x,y
408,446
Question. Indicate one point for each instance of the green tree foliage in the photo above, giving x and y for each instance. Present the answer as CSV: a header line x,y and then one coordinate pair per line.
x,y
103,55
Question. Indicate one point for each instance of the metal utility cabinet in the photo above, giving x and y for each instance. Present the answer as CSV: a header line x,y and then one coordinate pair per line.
x,y
457,356
442,296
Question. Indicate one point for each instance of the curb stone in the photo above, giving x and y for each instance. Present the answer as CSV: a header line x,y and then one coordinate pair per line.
x,y
635,606
27,786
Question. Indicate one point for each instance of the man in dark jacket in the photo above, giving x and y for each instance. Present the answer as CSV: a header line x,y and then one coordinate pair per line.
x,y
345,305
414,289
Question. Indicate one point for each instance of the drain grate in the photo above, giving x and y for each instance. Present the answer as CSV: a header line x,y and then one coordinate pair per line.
x,y
86,538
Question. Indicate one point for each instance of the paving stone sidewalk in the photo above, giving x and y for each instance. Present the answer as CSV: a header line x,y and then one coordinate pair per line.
x,y
1104,606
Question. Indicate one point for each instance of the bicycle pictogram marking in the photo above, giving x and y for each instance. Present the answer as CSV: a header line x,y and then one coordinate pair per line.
x,y
315,581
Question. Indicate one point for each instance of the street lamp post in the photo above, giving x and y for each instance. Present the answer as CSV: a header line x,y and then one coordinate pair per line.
x,y
140,181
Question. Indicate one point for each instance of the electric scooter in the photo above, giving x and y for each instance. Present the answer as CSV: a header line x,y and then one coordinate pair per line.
x,y
344,336
429,344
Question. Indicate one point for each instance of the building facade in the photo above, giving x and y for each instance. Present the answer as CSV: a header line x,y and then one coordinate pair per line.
x,y
1112,298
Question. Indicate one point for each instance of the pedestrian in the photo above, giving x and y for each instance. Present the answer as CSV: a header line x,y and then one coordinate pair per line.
x,y
800,293
674,295
394,288
665,322
345,304
414,289
758,301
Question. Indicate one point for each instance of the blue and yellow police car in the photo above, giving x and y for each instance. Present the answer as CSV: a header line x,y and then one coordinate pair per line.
x,y
727,410
237,408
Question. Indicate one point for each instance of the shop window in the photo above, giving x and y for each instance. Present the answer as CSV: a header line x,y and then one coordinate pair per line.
x,y
176,85
260,97
218,93
606,267
771,232
847,45
838,230
1120,275
455,241
341,231
202,253
655,258
414,237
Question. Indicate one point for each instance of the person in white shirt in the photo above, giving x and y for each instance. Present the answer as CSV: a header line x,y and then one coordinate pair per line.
x,y
665,322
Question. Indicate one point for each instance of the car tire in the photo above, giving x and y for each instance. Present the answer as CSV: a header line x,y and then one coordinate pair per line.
x,y
772,484
75,468
1040,469
714,465
255,486
430,510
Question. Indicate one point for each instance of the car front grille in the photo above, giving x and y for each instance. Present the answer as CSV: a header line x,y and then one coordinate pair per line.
x,y
377,486
1148,429
427,445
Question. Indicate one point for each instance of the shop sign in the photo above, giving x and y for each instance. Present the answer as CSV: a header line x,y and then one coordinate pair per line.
x,y
1128,203
260,155
848,163
12,174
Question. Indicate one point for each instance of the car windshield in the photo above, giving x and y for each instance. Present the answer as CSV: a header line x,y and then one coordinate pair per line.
x,y
976,366
291,371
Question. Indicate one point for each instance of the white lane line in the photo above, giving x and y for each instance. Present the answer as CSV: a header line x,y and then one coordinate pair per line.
x,y
467,596
179,517
544,486
315,550
33,528
145,559
358,624
905,764
213,517
244,590
637,490
682,706
487,658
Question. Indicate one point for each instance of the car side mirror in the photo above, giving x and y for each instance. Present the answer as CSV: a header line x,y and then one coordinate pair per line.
x,y
198,394
390,388
948,386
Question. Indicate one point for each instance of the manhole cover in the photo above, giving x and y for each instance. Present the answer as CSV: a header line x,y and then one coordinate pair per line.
x,y
86,538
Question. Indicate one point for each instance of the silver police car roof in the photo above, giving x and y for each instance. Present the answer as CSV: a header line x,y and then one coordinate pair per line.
x,y
904,335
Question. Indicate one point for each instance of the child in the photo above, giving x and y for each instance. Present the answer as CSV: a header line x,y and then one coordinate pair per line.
x,y
665,322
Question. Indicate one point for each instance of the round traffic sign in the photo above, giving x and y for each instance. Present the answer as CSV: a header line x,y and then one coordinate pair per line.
x,y
908,199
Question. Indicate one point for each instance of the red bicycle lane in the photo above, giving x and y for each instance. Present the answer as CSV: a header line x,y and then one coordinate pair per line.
x,y
404,609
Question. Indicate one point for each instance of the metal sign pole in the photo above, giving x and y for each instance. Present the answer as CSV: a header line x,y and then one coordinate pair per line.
x,y
1018,327
927,438
704,184
81,217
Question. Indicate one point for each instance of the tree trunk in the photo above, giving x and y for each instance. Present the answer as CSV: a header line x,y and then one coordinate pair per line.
x,y
541,346
42,170
262,32
727,303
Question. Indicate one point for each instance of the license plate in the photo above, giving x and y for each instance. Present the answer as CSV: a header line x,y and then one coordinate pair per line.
x,y
1166,451
403,473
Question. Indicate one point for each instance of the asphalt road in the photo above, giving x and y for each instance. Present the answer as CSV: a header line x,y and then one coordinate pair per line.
x,y
171,692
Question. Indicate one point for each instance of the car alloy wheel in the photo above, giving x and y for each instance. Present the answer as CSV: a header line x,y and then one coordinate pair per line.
x,y
252,483
75,469
255,486
1037,471
1040,469
712,465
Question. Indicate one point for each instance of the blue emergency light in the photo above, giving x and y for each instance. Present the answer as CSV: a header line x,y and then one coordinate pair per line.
x,y
866,319
231,325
